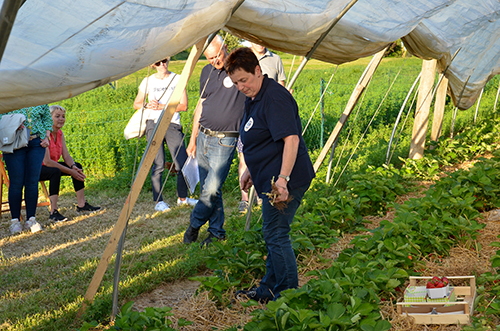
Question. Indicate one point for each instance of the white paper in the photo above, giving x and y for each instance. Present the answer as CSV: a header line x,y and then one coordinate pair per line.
x,y
191,174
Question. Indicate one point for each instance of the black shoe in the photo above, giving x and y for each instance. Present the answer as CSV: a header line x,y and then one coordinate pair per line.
x,y
57,217
211,237
251,295
191,235
87,207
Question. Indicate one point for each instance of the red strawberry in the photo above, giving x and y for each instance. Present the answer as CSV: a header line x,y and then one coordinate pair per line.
x,y
436,279
430,285
440,284
445,281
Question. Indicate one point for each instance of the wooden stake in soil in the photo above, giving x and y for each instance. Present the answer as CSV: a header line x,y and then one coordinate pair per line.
x,y
142,173
422,112
437,121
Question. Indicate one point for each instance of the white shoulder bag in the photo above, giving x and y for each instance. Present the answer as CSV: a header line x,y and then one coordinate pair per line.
x,y
136,126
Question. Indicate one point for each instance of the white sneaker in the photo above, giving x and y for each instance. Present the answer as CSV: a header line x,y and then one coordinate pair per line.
x,y
188,201
15,226
32,225
162,206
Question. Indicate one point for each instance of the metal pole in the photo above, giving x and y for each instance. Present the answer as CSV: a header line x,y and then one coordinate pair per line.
x,y
7,17
318,42
322,101
251,199
478,103
456,108
399,118
330,161
116,275
496,99
453,122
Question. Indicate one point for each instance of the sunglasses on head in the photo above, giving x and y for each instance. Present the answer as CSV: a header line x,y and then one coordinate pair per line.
x,y
160,62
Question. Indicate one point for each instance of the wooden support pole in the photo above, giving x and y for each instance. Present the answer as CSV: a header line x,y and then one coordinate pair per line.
x,y
8,15
142,174
424,101
356,94
437,121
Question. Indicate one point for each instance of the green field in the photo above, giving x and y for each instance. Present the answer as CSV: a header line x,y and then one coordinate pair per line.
x,y
44,276
96,119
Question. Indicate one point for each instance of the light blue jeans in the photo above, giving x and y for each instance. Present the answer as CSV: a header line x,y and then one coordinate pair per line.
x,y
214,156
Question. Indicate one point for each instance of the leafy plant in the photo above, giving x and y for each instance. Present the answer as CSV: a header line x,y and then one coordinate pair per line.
x,y
151,319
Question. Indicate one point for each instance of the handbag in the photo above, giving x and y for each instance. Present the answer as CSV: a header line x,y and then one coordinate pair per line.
x,y
11,136
136,126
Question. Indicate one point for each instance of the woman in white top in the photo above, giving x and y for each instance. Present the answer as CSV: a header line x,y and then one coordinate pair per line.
x,y
158,88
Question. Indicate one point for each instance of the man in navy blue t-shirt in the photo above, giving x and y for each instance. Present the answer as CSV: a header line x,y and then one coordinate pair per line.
x,y
216,126
278,165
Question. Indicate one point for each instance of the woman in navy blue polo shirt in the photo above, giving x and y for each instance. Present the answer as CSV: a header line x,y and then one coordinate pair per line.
x,y
275,152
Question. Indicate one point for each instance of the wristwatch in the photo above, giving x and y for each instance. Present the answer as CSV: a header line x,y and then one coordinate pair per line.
x,y
287,178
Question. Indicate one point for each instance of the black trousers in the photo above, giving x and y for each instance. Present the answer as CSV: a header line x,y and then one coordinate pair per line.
x,y
54,176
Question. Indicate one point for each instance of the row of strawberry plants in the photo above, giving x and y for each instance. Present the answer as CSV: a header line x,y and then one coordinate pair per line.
x,y
241,259
346,296
472,142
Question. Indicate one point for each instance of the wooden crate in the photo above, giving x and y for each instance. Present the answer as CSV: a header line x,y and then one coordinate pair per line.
x,y
457,312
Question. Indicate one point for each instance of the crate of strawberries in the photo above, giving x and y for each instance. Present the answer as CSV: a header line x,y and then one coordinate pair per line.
x,y
438,287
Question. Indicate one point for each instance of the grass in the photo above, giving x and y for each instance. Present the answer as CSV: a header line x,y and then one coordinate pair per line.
x,y
44,276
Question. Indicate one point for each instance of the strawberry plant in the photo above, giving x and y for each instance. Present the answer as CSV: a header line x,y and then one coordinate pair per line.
x,y
338,210
242,259
375,187
424,168
150,319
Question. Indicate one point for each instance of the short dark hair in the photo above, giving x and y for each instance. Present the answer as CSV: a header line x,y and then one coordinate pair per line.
x,y
241,58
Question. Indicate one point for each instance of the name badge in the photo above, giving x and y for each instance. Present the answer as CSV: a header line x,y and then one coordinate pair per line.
x,y
249,124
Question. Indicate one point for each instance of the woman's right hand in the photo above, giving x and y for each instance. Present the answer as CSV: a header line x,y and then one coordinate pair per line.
x,y
78,174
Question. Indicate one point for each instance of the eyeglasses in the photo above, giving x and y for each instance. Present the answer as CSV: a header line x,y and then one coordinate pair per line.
x,y
160,62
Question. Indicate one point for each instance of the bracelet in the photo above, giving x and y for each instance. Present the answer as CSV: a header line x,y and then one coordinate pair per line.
x,y
73,165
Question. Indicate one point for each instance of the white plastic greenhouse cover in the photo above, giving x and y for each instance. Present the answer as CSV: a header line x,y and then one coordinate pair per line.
x,y
60,48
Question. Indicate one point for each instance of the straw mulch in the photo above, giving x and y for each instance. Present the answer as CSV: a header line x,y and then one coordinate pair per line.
x,y
469,259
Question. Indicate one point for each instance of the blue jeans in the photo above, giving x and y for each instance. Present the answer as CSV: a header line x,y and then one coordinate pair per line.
x,y
281,264
214,156
175,143
24,167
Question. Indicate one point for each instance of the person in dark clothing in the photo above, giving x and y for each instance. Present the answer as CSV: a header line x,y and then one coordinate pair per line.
x,y
278,166
216,124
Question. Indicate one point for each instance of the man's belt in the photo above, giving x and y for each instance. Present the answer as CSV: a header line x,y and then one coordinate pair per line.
x,y
34,136
219,134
